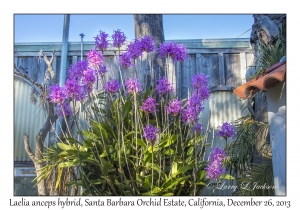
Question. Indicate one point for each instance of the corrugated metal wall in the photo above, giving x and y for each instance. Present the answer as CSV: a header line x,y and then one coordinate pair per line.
x,y
28,118
223,106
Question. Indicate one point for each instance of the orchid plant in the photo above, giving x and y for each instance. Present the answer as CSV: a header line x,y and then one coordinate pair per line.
x,y
138,141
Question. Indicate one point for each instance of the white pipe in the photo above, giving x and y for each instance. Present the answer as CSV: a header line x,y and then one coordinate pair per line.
x,y
81,48
63,65
64,51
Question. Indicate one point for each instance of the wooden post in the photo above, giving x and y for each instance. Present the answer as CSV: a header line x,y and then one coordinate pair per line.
x,y
198,60
178,79
243,61
221,69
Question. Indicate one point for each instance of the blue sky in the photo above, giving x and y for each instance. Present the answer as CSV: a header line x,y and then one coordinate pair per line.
x,y
49,27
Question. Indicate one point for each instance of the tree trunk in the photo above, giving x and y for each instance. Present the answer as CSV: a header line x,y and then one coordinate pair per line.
x,y
51,118
150,25
39,148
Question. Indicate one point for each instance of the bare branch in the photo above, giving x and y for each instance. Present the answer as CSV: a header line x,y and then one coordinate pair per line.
x,y
49,63
27,148
25,76
52,58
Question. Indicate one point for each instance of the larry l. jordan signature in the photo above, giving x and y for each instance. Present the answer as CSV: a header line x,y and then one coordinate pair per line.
x,y
244,185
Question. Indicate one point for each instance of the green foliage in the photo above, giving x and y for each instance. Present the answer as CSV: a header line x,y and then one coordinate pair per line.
x,y
259,181
240,151
58,170
114,158
240,161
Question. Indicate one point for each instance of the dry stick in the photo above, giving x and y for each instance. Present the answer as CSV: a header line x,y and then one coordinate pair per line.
x,y
141,123
141,154
140,120
135,113
181,139
151,70
175,129
147,117
152,168
196,163
159,154
119,146
165,114
162,112
123,144
184,131
163,127
168,133
130,126
134,70
173,71
121,78
141,66
136,124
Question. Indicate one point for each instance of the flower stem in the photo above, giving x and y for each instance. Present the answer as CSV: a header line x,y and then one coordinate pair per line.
x,y
152,169
119,144
67,124
196,163
136,126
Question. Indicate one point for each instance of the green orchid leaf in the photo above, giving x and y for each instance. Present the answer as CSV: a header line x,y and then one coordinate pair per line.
x,y
226,176
64,146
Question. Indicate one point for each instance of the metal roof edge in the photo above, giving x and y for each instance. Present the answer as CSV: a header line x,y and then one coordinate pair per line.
x,y
189,43
168,40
